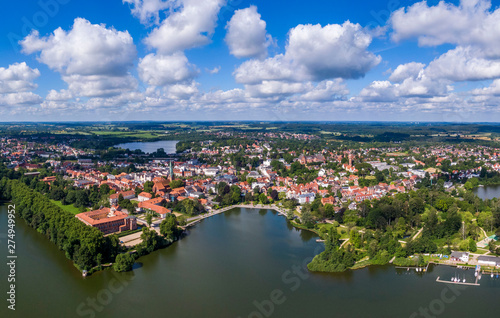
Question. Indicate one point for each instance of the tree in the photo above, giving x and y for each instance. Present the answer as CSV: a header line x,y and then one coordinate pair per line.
x,y
148,186
400,228
274,195
263,198
248,197
176,184
472,245
235,194
329,211
80,243
149,218
307,218
290,215
182,220
417,206
485,220
169,229
105,189
124,262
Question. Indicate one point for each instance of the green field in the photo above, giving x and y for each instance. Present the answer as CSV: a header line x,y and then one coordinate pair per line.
x,y
70,208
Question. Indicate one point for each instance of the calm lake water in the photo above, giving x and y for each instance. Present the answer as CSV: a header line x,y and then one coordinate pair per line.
x,y
149,147
488,192
231,265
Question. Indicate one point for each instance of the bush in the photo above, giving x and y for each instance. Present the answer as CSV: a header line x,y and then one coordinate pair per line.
x,y
124,262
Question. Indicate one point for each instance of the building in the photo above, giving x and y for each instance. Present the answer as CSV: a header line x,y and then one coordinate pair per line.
x,y
460,257
155,206
108,220
144,196
49,180
306,198
488,261
211,172
113,199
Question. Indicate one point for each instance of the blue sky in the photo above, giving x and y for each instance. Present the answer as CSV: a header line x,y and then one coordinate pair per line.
x,y
250,60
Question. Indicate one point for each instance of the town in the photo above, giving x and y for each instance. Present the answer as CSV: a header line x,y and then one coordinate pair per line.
x,y
318,186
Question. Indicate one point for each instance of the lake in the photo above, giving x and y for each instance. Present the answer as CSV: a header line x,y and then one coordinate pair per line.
x,y
150,147
245,263
488,192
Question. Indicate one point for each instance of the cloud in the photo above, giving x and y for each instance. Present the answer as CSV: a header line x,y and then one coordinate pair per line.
x,y
161,70
270,69
16,85
469,23
215,70
148,10
62,95
275,89
416,85
17,99
89,56
190,24
182,91
325,91
404,71
464,64
331,51
246,34
87,49
315,53
99,85
493,89
18,77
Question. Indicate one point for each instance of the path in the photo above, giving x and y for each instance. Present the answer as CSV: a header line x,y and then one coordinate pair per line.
x,y
484,242
344,242
418,233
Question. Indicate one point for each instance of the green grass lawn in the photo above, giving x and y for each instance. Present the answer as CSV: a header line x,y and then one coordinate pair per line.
x,y
325,227
69,208
481,251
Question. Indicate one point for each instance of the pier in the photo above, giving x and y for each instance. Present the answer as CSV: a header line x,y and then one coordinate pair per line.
x,y
457,283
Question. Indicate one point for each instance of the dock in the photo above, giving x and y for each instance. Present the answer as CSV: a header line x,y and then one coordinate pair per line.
x,y
456,283
417,269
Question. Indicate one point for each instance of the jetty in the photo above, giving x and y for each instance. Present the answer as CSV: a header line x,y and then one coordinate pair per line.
x,y
456,283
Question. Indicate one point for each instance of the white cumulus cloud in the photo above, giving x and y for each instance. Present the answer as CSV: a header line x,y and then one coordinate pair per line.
x,y
148,10
471,22
160,70
18,77
189,24
315,53
89,56
246,34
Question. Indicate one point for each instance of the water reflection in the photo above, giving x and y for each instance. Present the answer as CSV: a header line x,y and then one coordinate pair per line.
x,y
488,192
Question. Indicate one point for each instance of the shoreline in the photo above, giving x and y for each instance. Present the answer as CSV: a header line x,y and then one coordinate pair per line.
x,y
248,206
196,220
